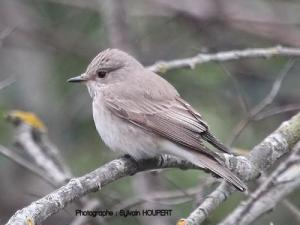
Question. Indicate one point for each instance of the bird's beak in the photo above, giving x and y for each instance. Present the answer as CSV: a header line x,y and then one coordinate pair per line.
x,y
78,79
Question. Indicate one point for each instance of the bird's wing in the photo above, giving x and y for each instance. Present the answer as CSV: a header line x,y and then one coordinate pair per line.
x,y
171,118
206,135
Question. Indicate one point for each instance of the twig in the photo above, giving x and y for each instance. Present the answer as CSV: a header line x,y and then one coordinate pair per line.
x,y
275,88
279,184
7,82
262,157
267,100
54,155
241,97
42,161
25,164
276,111
164,66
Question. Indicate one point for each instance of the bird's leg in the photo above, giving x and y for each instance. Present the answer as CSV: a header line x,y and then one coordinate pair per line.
x,y
127,156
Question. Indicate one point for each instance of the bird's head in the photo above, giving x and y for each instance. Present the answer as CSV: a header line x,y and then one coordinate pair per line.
x,y
109,66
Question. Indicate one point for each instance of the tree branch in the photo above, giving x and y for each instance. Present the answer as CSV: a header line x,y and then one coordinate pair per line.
x,y
164,66
265,154
41,209
280,183
41,160
277,110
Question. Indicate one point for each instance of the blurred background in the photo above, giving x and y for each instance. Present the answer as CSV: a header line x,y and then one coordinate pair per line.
x,y
44,42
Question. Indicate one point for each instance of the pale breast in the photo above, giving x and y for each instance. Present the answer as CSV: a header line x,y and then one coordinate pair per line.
x,y
120,135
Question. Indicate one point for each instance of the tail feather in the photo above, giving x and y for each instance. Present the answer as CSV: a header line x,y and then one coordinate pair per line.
x,y
208,163
204,161
210,138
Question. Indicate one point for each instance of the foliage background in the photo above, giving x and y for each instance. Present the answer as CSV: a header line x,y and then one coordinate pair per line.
x,y
44,42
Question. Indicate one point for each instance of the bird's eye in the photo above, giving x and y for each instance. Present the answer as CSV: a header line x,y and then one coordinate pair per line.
x,y
101,73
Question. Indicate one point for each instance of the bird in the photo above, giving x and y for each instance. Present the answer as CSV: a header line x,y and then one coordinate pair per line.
x,y
139,113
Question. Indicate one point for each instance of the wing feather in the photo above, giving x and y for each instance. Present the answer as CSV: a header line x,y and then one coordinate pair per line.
x,y
169,119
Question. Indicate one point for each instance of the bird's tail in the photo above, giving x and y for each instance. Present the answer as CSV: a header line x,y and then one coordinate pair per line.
x,y
206,162
210,138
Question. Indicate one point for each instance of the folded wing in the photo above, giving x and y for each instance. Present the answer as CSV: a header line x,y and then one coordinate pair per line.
x,y
170,118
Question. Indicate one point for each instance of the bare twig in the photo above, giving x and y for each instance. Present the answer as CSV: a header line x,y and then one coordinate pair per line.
x,y
191,62
54,155
262,104
275,89
25,164
241,97
275,111
7,82
42,161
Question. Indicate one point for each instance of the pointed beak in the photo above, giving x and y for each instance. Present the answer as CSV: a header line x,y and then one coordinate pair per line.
x,y
77,79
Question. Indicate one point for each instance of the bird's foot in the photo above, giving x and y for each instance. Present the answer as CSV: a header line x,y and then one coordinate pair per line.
x,y
137,163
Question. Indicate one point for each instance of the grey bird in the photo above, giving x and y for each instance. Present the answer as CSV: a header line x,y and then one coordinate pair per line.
x,y
139,113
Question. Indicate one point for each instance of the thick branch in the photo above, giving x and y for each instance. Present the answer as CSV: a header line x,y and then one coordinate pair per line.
x,y
41,209
191,62
260,158
280,183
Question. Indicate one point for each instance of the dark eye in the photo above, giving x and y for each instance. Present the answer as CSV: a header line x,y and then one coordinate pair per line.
x,y
101,73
